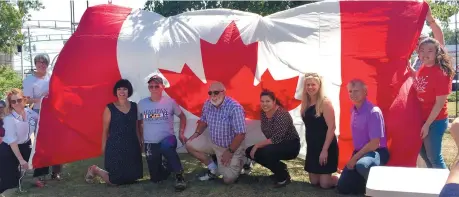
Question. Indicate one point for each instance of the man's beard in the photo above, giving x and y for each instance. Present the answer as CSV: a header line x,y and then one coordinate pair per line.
x,y
216,103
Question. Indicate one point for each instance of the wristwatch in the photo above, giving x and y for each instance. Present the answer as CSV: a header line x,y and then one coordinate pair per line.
x,y
231,151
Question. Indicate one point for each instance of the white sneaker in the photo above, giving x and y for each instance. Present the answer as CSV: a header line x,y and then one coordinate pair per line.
x,y
208,176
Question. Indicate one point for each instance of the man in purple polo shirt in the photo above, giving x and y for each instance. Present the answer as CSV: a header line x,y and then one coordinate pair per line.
x,y
369,139
225,119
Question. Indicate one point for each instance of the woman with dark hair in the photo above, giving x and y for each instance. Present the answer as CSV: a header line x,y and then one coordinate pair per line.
x,y
121,140
433,83
282,143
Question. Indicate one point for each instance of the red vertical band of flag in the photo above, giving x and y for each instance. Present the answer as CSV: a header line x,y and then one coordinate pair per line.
x,y
375,48
70,126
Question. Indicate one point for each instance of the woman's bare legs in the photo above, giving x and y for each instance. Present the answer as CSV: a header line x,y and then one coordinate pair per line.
x,y
94,171
325,181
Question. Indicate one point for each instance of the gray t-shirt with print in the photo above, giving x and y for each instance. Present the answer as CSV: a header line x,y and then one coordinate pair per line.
x,y
158,118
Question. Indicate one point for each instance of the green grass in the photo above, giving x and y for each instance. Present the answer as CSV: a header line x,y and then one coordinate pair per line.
x,y
257,184
452,109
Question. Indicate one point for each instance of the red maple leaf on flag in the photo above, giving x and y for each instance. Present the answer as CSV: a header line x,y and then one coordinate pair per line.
x,y
234,64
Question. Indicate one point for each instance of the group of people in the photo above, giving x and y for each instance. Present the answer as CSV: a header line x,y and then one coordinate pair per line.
x,y
18,126
148,126
131,128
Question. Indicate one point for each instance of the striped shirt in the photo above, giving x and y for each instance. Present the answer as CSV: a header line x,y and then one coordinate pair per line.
x,y
279,128
224,122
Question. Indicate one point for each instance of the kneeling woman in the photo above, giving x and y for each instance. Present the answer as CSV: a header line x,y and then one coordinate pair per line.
x,y
120,140
19,125
282,143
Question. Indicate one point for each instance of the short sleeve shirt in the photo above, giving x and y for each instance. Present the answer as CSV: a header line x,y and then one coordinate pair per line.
x,y
158,118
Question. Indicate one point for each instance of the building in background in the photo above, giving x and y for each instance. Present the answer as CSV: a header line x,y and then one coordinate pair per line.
x,y
7,59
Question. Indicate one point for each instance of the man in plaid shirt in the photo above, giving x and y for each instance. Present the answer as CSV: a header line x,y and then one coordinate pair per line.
x,y
225,119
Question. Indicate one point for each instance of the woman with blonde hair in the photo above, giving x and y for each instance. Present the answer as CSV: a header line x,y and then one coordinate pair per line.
x,y
322,146
19,124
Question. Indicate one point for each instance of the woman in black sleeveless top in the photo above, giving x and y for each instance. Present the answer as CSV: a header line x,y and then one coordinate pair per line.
x,y
322,146
120,140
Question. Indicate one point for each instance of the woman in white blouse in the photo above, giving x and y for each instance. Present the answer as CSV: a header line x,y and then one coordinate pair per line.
x,y
19,125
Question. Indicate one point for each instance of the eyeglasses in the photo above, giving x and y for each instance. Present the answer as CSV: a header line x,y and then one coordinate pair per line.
x,y
217,92
153,87
16,101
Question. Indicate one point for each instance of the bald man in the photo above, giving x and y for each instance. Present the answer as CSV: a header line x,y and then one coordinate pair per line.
x,y
225,119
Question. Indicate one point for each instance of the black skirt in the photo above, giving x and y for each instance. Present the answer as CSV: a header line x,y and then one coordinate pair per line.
x,y
9,165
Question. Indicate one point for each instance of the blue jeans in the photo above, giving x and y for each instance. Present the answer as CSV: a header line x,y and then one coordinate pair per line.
x,y
450,190
154,153
432,143
353,181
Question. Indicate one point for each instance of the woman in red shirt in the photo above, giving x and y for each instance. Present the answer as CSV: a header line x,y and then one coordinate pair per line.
x,y
433,83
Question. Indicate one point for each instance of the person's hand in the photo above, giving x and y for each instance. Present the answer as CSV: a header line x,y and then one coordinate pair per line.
x,y
226,158
323,158
410,69
351,163
253,151
24,165
424,131
195,135
182,139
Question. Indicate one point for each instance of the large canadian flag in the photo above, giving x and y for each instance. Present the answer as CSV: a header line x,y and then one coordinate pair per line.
x,y
341,40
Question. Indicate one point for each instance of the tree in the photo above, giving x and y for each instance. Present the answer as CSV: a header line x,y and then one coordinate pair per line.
x,y
11,19
9,79
443,10
450,38
171,8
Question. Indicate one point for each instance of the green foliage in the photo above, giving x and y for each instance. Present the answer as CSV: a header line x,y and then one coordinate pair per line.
x,y
443,10
11,17
171,8
452,97
449,37
9,79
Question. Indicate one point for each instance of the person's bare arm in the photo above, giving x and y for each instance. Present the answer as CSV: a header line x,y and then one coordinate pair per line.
x,y
436,29
105,126
329,116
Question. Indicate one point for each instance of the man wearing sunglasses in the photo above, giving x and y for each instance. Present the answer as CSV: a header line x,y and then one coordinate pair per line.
x,y
225,119
156,123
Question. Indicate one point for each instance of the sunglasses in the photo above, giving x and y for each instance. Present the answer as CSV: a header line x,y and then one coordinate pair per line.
x,y
16,101
217,92
153,87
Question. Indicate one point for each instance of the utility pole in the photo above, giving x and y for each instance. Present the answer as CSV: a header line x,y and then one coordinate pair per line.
x,y
22,63
30,49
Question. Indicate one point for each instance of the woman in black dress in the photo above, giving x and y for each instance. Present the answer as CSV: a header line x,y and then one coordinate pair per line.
x,y
322,146
120,140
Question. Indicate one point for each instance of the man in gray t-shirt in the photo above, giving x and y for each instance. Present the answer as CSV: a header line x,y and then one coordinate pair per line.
x,y
156,122
158,118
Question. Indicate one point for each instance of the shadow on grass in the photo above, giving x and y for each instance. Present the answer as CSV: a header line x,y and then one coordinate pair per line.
x,y
256,184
